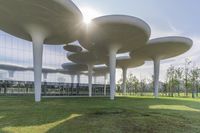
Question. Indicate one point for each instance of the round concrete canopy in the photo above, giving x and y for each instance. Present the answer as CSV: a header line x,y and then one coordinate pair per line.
x,y
48,70
126,32
86,58
100,71
57,19
74,67
163,48
127,62
64,71
72,48
12,67
44,69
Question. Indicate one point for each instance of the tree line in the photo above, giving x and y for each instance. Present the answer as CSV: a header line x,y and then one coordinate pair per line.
x,y
180,81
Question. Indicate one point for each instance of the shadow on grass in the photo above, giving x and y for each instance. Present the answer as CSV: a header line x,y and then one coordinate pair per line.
x,y
85,115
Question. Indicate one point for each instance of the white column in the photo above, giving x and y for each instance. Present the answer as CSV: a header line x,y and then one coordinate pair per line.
x,y
105,83
112,65
38,35
72,79
37,65
95,80
11,74
124,71
90,67
78,78
45,77
156,77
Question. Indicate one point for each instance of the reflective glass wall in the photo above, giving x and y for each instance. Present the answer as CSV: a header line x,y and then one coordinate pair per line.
x,y
19,52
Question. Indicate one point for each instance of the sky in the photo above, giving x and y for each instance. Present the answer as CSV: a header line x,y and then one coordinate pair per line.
x,y
166,18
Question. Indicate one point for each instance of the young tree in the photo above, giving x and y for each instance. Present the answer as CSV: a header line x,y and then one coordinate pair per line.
x,y
130,84
142,86
119,86
187,64
133,84
194,76
171,80
179,77
165,87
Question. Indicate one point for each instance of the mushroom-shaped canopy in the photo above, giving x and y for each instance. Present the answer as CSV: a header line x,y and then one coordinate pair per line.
x,y
127,62
74,67
163,48
86,58
64,71
44,69
12,67
125,32
100,71
48,70
59,19
72,48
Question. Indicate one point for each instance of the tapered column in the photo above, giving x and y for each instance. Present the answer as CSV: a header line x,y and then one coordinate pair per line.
x,y
78,81
124,71
112,65
72,79
78,78
90,67
72,83
11,74
45,77
156,77
38,35
37,65
105,83
95,80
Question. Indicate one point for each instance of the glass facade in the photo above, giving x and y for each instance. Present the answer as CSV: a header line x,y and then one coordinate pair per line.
x,y
18,51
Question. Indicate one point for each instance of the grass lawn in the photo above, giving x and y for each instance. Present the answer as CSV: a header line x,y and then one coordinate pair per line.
x,y
99,115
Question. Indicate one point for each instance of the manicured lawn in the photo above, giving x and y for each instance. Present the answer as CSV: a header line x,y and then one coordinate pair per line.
x,y
99,115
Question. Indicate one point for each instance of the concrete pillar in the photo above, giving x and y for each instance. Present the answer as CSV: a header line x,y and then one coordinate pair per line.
x,y
95,80
78,78
38,35
78,82
45,76
112,65
90,67
156,77
37,65
11,74
124,71
105,83
72,78
72,83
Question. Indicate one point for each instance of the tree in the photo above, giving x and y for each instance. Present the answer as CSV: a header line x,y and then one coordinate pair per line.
x,y
132,84
171,80
187,63
194,76
142,86
179,77
119,86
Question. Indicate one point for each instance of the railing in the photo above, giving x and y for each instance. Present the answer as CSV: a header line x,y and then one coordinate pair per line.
x,y
52,89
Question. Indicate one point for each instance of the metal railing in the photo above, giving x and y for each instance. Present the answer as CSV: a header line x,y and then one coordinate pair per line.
x,y
52,89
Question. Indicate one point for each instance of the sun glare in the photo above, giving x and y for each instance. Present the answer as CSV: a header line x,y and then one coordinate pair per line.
x,y
89,14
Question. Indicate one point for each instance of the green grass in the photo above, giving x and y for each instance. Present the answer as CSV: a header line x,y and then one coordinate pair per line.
x,y
99,115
